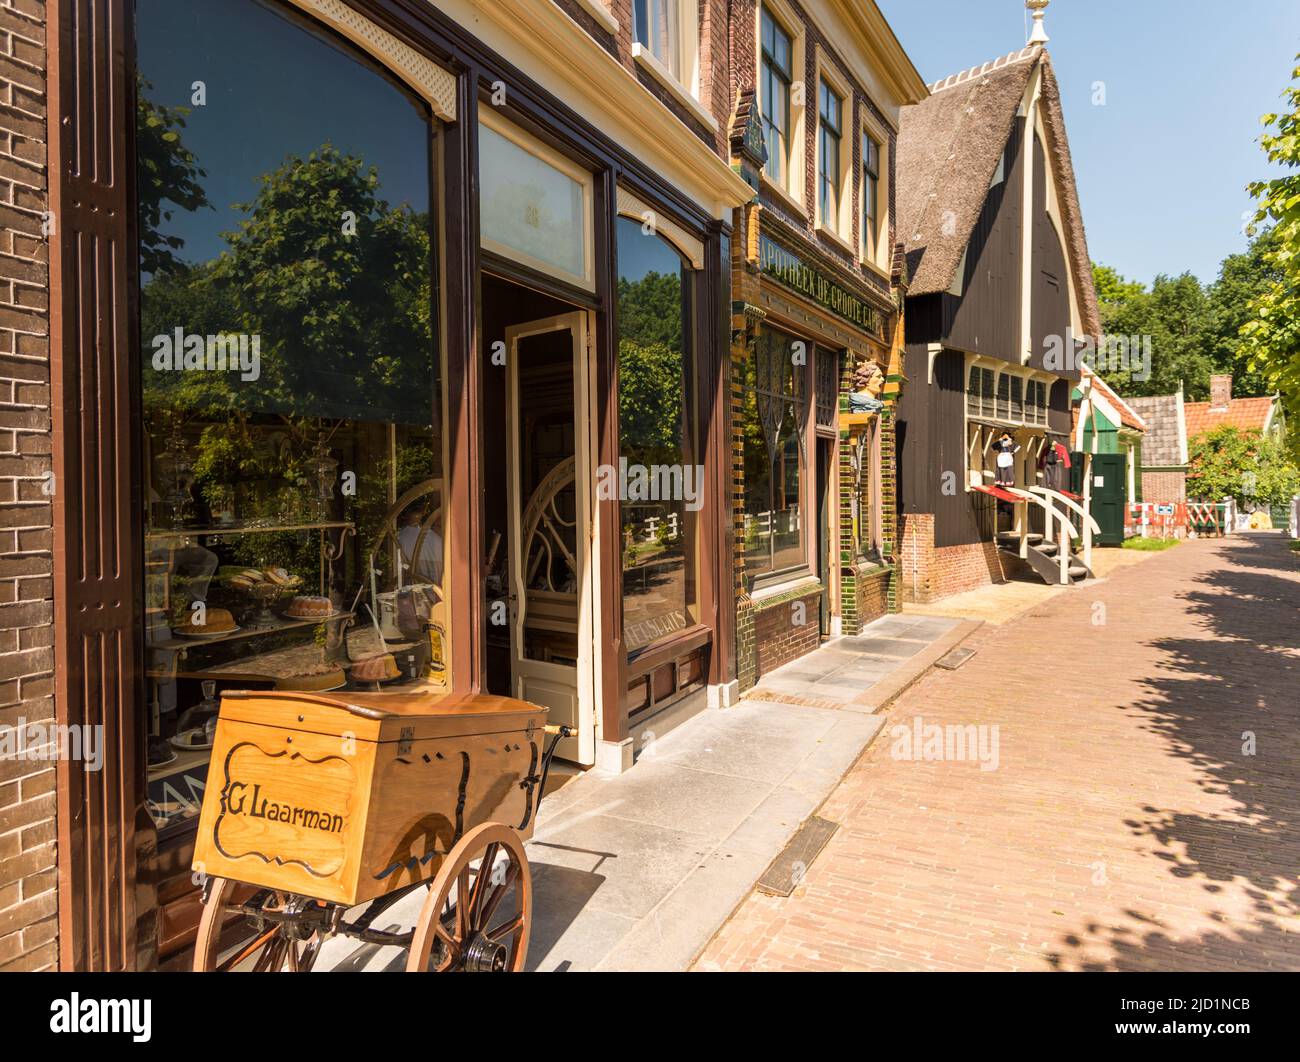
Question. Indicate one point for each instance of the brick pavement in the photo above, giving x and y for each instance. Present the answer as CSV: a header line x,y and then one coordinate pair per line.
x,y
1124,828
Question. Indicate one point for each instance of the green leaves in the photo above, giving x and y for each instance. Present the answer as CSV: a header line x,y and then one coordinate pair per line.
x,y
1270,336
168,173
1228,463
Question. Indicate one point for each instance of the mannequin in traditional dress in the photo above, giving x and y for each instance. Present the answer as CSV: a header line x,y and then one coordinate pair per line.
x,y
1005,450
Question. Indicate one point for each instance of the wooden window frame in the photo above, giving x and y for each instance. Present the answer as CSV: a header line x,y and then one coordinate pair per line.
x,y
792,191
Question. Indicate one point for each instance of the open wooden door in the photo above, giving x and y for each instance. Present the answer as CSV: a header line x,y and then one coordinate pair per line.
x,y
551,570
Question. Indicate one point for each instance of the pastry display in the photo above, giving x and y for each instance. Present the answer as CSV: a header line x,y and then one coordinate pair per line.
x,y
306,607
196,738
382,668
280,577
215,621
160,752
251,578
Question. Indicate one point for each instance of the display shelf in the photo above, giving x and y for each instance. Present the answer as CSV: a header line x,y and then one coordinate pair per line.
x,y
162,534
200,641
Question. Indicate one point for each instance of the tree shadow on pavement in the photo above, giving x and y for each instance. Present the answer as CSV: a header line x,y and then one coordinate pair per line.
x,y
1230,703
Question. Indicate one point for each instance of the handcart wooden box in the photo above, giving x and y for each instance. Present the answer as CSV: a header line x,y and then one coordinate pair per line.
x,y
327,800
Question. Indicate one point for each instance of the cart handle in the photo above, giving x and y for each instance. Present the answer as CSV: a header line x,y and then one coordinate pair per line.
x,y
558,729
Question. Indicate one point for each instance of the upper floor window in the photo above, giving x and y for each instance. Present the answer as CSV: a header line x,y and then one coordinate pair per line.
x,y
829,136
979,392
659,27
777,75
870,196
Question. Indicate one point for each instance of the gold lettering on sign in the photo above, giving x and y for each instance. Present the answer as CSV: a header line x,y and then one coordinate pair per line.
x,y
793,272
285,808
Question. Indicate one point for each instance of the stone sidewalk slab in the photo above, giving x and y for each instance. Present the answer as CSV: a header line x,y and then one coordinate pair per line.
x,y
637,871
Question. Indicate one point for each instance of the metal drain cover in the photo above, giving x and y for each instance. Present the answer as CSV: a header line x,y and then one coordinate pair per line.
x,y
954,658
789,868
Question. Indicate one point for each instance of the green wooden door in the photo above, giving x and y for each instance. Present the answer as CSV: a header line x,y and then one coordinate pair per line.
x,y
1109,496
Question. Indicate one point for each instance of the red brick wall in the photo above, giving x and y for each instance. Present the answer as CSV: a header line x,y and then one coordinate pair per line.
x,y
27,870
1164,487
928,574
779,635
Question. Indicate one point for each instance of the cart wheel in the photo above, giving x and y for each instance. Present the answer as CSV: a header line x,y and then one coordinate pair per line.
x,y
269,951
477,918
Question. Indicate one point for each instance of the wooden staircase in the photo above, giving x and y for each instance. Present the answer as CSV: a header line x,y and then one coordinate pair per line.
x,y
1045,557
1052,554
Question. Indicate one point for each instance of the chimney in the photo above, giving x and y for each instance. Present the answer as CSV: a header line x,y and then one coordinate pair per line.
x,y
1220,393
1039,8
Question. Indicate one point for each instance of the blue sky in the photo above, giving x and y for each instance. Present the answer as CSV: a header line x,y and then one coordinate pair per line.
x,y
1162,167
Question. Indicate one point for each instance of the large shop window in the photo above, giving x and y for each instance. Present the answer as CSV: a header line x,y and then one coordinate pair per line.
x,y
773,418
662,487
292,448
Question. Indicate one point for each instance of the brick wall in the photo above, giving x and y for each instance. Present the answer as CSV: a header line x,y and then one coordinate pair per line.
x,y
786,629
926,573
27,868
1164,487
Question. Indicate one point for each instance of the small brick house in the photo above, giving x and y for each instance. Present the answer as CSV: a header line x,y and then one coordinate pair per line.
x,y
1164,448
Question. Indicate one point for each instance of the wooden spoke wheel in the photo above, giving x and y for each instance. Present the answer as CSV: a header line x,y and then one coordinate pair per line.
x,y
275,947
478,913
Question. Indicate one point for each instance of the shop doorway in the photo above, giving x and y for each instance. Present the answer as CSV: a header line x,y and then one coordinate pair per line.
x,y
541,550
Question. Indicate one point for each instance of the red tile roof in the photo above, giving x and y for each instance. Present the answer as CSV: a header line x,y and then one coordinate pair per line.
x,y
1245,414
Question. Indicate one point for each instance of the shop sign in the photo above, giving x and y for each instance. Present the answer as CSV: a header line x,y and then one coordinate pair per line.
x,y
791,270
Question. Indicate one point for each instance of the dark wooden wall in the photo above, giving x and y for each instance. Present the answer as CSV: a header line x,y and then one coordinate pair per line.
x,y
985,318
932,441
1049,313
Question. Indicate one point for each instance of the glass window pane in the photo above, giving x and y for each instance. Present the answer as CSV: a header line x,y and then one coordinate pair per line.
x,y
1017,398
290,374
529,209
772,397
663,485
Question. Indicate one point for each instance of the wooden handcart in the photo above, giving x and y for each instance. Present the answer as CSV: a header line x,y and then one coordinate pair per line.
x,y
319,803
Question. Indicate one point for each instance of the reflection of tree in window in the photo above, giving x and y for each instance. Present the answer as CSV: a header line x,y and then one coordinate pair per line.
x,y
653,365
772,422
293,209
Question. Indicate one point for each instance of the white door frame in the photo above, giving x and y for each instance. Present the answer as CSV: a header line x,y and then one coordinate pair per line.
x,y
537,677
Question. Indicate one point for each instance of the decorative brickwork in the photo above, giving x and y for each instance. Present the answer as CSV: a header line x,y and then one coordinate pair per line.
x,y
866,588
713,73
785,628
28,900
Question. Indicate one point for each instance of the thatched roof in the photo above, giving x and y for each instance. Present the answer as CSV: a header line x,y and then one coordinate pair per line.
x,y
949,146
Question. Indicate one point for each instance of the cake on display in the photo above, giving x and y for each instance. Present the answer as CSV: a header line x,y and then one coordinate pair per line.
x,y
308,607
215,621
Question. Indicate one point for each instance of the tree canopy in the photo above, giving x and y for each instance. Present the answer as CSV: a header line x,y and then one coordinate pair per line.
x,y
1270,338
1195,328
1228,463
